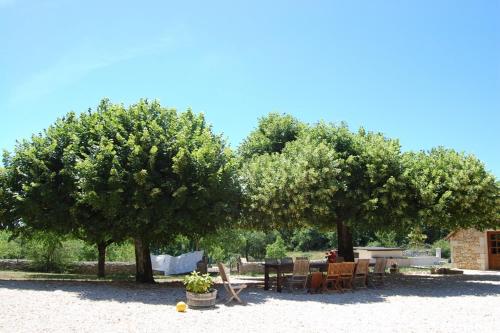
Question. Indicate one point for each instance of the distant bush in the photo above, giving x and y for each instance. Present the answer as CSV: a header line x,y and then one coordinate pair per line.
x,y
444,245
384,239
55,253
47,252
276,249
82,251
121,252
10,249
416,238
255,243
217,254
311,239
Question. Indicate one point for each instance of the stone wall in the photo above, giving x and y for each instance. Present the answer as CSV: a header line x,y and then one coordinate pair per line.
x,y
14,265
245,267
112,267
469,249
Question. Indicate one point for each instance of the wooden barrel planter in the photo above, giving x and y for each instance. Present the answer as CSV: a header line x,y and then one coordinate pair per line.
x,y
201,300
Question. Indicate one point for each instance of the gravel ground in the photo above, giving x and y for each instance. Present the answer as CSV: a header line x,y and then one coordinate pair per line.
x,y
410,303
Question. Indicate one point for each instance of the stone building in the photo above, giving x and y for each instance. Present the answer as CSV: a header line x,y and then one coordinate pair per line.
x,y
474,249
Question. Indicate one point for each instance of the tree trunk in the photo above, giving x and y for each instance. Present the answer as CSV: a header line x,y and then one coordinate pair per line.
x,y
101,259
344,237
143,267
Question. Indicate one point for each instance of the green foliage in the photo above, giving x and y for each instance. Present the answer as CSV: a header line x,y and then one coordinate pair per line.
x,y
121,252
43,246
7,200
166,170
165,178
452,190
255,243
444,245
223,245
328,174
179,245
311,239
276,249
10,249
47,252
143,172
272,134
88,252
385,239
36,183
198,283
416,238
115,252
218,254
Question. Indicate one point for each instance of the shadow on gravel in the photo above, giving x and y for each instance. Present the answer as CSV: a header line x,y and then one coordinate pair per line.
x,y
171,292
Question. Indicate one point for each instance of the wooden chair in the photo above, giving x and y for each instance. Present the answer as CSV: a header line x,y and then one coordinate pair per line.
x,y
299,275
361,273
378,274
347,274
232,290
333,277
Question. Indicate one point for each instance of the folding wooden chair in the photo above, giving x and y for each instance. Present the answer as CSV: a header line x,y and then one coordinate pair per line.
x,y
361,272
378,274
299,275
347,274
333,277
232,290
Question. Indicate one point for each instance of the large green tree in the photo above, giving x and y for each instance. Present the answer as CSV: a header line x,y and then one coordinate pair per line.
x,y
167,174
143,172
329,177
452,190
37,183
42,178
6,201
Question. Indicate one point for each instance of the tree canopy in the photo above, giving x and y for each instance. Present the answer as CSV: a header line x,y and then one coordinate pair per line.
x,y
144,172
273,132
452,190
330,177
152,174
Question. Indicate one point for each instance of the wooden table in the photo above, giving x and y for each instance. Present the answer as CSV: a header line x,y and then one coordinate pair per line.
x,y
280,268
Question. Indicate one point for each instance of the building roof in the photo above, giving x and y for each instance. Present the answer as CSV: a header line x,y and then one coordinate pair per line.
x,y
451,234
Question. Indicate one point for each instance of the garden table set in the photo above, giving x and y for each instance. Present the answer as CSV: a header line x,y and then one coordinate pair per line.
x,y
339,276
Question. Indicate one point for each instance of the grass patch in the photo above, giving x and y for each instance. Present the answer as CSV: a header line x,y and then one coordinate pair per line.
x,y
312,255
37,276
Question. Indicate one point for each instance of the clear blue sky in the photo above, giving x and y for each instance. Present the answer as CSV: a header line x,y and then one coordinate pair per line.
x,y
426,72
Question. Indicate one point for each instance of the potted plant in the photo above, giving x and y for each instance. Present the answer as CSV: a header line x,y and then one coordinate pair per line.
x,y
331,256
199,290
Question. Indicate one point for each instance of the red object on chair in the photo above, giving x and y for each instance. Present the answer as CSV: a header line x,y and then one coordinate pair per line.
x,y
331,256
